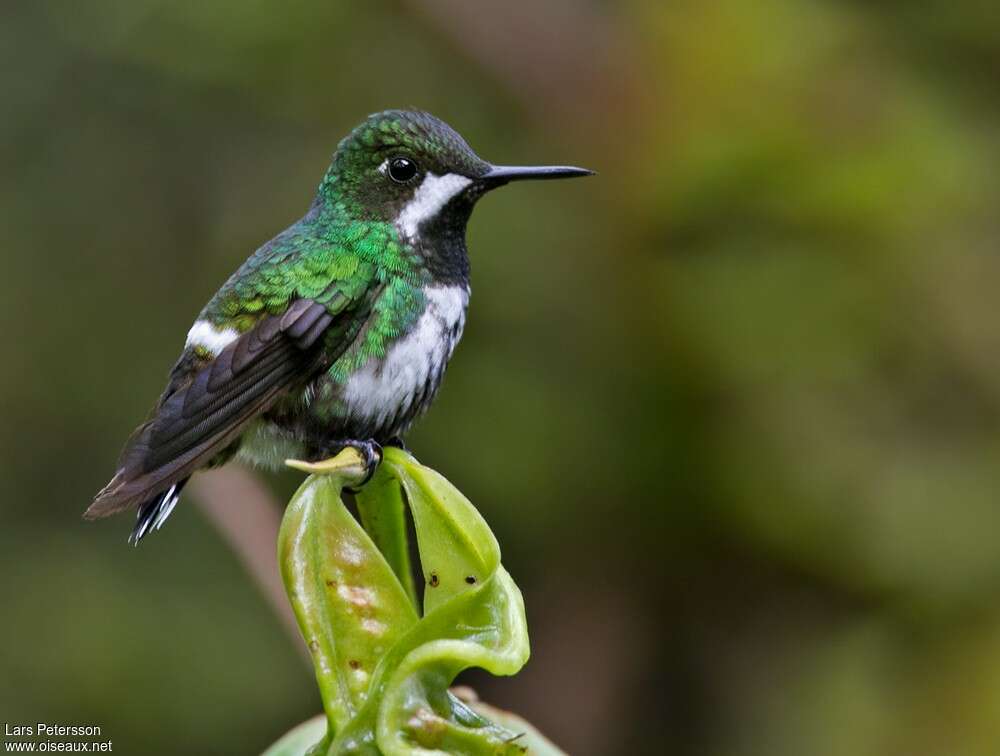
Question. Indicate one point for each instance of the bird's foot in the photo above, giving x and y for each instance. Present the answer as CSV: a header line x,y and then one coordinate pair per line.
x,y
371,453
396,442
355,460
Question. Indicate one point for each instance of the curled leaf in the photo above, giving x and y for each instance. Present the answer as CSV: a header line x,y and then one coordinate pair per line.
x,y
383,672
349,605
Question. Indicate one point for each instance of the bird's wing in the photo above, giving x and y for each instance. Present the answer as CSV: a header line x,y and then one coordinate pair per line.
x,y
207,405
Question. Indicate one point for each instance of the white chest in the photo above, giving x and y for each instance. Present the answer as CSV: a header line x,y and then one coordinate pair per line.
x,y
413,366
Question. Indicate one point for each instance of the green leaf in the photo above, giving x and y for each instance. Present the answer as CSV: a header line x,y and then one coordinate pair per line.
x,y
349,605
482,626
384,673
457,548
536,743
299,739
383,515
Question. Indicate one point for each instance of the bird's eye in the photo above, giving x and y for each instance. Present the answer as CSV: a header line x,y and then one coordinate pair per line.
x,y
402,169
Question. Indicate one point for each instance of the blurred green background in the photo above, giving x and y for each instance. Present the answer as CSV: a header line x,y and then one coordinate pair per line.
x,y
732,407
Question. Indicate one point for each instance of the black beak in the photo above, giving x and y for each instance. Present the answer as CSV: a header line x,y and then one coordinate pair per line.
x,y
498,175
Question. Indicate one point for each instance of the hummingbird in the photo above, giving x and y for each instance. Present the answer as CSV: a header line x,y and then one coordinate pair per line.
x,y
334,333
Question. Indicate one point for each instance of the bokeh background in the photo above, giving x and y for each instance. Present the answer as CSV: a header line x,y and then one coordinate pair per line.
x,y
732,407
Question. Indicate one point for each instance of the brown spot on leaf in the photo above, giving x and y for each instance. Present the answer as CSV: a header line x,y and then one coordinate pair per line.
x,y
471,580
435,581
354,664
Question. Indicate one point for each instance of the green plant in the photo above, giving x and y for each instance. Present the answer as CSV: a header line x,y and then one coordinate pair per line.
x,y
384,667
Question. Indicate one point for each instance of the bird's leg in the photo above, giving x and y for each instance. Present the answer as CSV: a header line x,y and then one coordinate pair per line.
x,y
396,442
369,449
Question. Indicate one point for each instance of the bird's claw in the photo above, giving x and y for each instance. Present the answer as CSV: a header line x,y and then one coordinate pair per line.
x,y
371,454
353,460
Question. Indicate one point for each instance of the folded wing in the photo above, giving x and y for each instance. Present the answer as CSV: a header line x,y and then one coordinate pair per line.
x,y
204,411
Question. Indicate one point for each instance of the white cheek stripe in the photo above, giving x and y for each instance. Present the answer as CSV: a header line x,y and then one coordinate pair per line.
x,y
206,335
433,193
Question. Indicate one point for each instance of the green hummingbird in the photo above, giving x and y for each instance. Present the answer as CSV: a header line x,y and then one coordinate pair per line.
x,y
336,332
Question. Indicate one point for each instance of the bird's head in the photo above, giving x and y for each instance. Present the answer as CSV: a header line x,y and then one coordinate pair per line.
x,y
413,170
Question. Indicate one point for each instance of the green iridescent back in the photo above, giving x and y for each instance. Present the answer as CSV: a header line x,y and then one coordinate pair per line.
x,y
342,265
346,253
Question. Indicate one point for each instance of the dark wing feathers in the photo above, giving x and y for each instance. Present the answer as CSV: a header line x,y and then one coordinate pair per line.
x,y
313,333
304,325
200,414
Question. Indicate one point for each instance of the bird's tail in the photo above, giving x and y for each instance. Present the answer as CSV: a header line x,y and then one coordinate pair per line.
x,y
154,512
150,487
